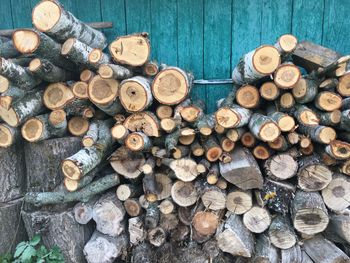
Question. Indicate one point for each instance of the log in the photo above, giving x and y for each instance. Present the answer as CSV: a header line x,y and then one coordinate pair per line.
x,y
43,174
166,207
239,202
11,96
78,52
8,50
171,85
232,116
305,90
206,124
164,111
133,50
248,140
91,136
27,107
285,122
345,120
126,191
319,133
132,207
142,253
193,112
48,72
305,116
108,213
136,230
213,198
308,212
57,95
312,174
169,222
281,166
51,18
80,90
281,233
264,128
185,169
212,149
256,64
243,171
81,163
328,101
157,236
336,195
18,75
331,118
83,195
286,44
73,235
86,75
257,219
104,249
151,68
83,211
235,238
286,102
80,108
145,122
343,85
269,91
97,57
184,193
42,127
265,251
286,76
111,71
235,134
135,94
8,136
277,195
127,163
338,150
248,97
329,84
262,151
213,174
339,228
205,223
152,216
31,41
138,141
78,126
293,254
11,225
322,250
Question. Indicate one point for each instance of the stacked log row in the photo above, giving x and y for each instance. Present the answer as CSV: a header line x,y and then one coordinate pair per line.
x,y
116,146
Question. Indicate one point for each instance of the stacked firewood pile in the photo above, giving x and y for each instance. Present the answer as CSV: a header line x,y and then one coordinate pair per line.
x,y
263,179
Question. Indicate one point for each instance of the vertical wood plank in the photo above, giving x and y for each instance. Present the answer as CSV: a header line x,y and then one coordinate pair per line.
x,y
246,27
21,15
138,16
308,19
164,31
190,41
336,28
87,11
5,15
217,48
114,11
276,20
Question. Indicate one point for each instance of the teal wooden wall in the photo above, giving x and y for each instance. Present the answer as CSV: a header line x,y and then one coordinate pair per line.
x,y
206,36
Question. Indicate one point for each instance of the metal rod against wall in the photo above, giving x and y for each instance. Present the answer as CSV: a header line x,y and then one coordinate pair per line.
x,y
212,81
97,25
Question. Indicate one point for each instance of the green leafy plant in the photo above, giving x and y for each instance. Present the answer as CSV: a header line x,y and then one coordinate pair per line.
x,y
33,252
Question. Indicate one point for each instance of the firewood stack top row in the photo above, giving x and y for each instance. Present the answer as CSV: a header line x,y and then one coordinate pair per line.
x,y
265,178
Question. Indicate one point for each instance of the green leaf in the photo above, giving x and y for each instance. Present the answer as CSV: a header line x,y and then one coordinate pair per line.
x,y
20,248
27,254
40,260
41,252
35,240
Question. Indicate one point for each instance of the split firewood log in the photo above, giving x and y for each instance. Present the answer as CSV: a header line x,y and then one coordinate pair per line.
x,y
264,250
51,18
281,233
145,122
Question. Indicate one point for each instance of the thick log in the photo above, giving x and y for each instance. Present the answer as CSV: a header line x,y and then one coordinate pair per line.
x,y
336,195
205,223
11,225
305,90
51,18
212,149
281,233
264,128
28,106
306,116
48,72
257,219
239,202
286,76
184,193
105,249
142,253
78,52
312,174
213,198
232,116
57,95
83,211
319,133
133,50
281,166
265,251
269,91
108,213
83,195
322,250
18,75
328,101
248,97
172,85
309,214
256,64
243,171
235,238
81,163
70,239
127,163
31,41
145,122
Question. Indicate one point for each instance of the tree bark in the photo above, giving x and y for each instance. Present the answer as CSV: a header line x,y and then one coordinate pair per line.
x,y
265,251
111,71
44,69
281,233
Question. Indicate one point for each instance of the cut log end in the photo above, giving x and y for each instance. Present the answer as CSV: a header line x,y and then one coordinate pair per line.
x,y
57,117
151,68
32,129
269,132
105,71
266,59
205,223
286,76
311,221
134,95
190,113
226,117
119,132
286,123
26,41
4,84
287,43
248,96
86,75
257,219
164,111
80,89
95,55
9,116
261,152
269,91
57,95
70,185
184,193
171,86
45,15
343,86
135,142
239,202
287,100
6,136
71,170
327,134
34,65
248,139
78,126
103,91
328,101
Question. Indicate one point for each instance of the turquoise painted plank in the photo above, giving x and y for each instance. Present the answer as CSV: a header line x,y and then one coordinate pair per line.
x,y
21,16
114,11
217,48
276,20
164,31
336,27
308,19
190,41
138,16
5,15
246,27
87,11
